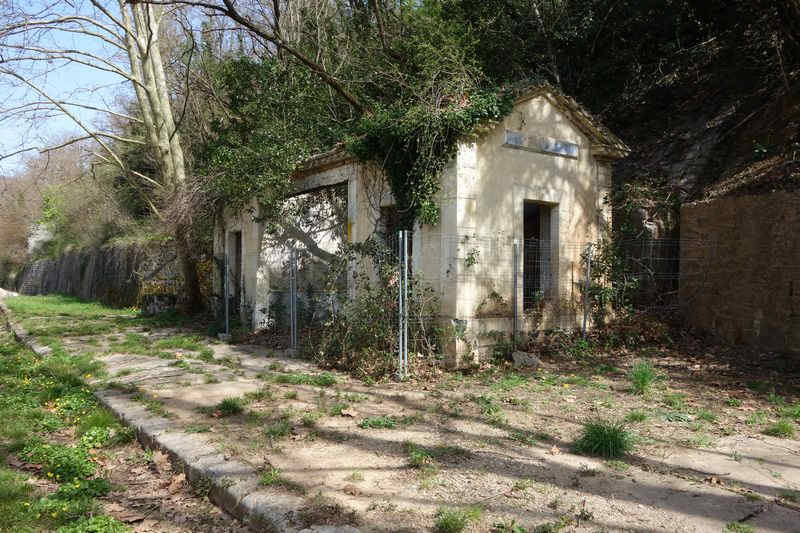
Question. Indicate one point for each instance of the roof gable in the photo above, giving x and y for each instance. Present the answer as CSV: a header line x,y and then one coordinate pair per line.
x,y
604,144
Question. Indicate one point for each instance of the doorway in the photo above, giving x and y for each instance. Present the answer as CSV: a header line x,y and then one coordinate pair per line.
x,y
537,253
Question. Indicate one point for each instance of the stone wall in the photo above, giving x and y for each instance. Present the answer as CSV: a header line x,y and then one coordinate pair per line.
x,y
123,276
740,269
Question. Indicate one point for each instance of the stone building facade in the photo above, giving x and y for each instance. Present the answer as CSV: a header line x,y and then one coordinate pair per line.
x,y
540,174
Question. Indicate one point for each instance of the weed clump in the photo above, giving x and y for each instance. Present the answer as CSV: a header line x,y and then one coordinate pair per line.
x,y
606,439
643,375
230,406
782,428
450,520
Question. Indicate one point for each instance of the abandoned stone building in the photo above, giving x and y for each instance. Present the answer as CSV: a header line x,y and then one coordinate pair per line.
x,y
539,176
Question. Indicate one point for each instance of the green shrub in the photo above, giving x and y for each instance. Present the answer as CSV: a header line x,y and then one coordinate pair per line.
x,y
449,520
643,375
783,428
605,439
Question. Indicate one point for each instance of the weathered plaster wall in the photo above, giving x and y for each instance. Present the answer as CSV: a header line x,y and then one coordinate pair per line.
x,y
740,269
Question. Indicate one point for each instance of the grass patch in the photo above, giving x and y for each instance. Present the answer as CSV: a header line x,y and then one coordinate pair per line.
x,y
782,428
792,412
706,415
230,406
738,527
386,422
642,376
675,400
733,402
759,417
326,379
636,416
450,520
605,439
278,429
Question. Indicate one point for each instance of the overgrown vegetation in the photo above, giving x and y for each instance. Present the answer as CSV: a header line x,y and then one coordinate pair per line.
x,y
37,398
610,440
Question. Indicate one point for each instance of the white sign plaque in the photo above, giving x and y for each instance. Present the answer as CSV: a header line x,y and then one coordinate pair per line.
x,y
542,145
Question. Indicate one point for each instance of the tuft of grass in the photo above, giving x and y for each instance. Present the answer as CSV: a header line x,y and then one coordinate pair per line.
x,y
733,402
706,416
326,379
291,395
450,520
310,419
792,412
636,416
278,429
675,400
386,422
783,428
605,439
270,477
738,527
642,376
790,495
230,406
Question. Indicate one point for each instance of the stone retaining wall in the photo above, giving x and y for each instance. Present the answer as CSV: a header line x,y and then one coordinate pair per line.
x,y
740,269
115,275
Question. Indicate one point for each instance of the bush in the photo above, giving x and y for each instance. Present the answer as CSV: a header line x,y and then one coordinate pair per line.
x,y
605,439
361,334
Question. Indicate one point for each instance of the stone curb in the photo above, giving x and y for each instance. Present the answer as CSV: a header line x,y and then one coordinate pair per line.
x,y
231,485
23,336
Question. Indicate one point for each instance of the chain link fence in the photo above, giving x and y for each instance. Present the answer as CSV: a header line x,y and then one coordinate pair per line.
x,y
475,285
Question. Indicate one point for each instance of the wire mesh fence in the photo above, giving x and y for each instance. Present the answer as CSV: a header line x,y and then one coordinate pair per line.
x,y
470,284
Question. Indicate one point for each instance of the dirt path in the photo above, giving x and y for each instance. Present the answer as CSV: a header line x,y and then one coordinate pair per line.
x,y
389,457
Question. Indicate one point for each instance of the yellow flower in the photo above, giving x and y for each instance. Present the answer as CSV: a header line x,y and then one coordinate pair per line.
x,y
88,376
566,385
49,474
27,504
54,515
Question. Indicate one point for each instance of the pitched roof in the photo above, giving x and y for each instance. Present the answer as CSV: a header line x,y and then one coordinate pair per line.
x,y
604,143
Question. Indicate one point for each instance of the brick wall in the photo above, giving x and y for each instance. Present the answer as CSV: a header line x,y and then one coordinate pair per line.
x,y
740,269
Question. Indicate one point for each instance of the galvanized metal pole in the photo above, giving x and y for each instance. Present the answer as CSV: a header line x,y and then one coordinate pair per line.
x,y
514,297
586,286
399,306
405,303
226,291
293,296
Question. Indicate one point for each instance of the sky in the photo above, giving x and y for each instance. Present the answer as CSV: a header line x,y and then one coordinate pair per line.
x,y
62,80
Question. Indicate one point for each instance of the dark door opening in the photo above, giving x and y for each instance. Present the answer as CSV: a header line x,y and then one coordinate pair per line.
x,y
536,254
235,270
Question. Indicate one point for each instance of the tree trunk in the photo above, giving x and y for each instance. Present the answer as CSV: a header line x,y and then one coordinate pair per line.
x,y
193,296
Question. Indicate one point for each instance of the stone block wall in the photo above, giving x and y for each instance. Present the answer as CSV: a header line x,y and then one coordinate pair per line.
x,y
740,269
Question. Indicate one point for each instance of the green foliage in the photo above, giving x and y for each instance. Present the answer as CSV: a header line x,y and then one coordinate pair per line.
x,y
280,118
636,416
385,422
643,375
96,524
361,336
59,462
325,379
278,429
606,439
783,428
738,527
230,406
449,520
413,144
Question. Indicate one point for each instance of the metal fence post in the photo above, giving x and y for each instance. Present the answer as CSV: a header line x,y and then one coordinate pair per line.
x,y
514,297
587,284
405,303
226,291
293,296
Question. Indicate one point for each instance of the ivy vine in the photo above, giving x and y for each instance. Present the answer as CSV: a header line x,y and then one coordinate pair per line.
x,y
414,144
